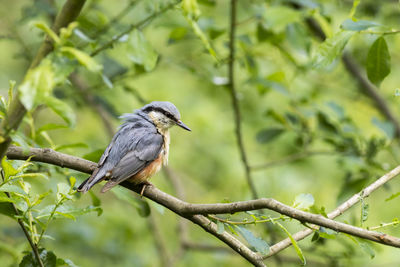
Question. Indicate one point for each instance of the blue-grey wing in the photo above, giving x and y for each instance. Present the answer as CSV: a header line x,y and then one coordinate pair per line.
x,y
134,135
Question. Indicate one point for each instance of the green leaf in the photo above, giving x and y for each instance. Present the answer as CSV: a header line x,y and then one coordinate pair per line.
x,y
62,109
325,124
37,85
177,34
141,205
330,49
294,243
359,25
385,126
393,196
8,168
257,243
220,227
48,31
65,262
364,211
303,202
50,126
48,258
378,61
327,233
12,189
354,8
367,249
83,58
277,18
141,52
6,199
268,135
7,209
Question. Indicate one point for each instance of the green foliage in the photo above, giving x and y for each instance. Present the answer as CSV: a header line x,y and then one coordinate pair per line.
x,y
330,49
257,243
378,61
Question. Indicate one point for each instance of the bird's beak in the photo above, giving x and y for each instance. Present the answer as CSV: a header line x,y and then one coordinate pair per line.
x,y
181,124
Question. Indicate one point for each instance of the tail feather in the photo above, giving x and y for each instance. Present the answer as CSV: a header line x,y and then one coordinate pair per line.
x,y
95,178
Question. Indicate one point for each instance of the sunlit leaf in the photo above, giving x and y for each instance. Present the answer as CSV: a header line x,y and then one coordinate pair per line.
x,y
378,61
48,31
294,243
257,243
83,58
330,49
8,169
6,199
37,85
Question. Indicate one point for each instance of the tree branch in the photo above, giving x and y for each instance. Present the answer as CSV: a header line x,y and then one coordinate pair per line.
x,y
196,212
235,101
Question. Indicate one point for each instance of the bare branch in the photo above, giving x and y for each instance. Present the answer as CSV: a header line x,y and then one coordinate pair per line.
x,y
339,210
235,101
196,212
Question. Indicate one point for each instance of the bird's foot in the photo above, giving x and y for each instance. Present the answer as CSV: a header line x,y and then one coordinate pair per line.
x,y
144,185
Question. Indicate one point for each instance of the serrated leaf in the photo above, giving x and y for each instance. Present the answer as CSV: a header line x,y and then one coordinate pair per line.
x,y
220,227
303,201
330,49
62,109
257,243
359,25
268,135
83,58
294,243
141,52
378,61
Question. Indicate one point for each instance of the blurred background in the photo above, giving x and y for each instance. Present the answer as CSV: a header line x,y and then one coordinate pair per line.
x,y
308,127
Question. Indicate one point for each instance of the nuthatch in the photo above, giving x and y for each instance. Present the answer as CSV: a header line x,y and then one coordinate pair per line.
x,y
139,148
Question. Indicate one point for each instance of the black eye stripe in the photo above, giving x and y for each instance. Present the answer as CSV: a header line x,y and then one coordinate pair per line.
x,y
166,113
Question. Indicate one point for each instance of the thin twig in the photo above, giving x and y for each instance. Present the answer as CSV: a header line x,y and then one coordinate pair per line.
x,y
115,39
235,101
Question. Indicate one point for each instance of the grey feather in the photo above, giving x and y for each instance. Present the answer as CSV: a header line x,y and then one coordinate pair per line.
x,y
132,148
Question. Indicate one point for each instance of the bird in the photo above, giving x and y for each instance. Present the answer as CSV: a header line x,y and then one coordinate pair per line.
x,y
139,148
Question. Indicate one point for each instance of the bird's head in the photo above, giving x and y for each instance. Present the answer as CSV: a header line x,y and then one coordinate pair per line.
x,y
164,115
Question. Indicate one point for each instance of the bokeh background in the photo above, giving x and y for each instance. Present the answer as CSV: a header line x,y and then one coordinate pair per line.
x,y
319,132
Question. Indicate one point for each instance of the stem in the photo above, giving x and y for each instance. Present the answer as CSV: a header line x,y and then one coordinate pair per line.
x,y
31,243
244,223
235,101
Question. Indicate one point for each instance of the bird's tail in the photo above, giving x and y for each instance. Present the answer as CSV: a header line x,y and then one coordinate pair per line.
x,y
95,178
